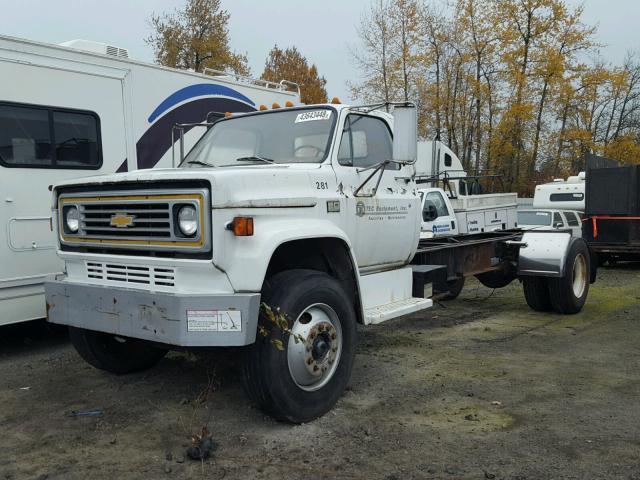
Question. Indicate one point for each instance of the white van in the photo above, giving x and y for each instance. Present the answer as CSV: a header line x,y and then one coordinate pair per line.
x,y
84,109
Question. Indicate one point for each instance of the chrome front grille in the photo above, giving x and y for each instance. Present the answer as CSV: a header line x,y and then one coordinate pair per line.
x,y
136,274
138,220
149,220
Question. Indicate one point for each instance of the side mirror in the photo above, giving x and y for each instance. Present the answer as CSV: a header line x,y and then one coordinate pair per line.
x,y
405,133
430,214
557,225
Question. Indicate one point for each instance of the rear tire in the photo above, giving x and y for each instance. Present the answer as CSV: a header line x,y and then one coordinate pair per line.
x,y
536,293
455,287
306,379
114,354
569,292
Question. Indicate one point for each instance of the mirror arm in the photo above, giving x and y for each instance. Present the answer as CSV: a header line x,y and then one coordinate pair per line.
x,y
380,167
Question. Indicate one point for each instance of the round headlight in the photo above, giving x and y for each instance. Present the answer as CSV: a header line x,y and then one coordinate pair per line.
x,y
188,220
72,219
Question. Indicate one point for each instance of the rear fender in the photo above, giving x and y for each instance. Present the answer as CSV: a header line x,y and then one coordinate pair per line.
x,y
543,253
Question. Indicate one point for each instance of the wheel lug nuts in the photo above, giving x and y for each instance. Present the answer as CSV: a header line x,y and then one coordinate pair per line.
x,y
333,336
315,368
309,361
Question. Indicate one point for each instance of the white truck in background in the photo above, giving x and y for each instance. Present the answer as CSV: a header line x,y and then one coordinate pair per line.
x,y
68,111
279,232
452,201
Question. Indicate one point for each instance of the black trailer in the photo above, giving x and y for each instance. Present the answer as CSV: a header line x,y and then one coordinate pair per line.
x,y
611,225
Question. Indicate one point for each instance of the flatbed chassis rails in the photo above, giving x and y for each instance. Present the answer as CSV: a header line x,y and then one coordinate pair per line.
x,y
467,255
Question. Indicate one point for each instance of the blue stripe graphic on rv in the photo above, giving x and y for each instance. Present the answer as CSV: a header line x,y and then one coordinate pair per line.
x,y
198,90
156,141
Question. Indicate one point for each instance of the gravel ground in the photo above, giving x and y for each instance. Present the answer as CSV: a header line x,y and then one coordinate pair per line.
x,y
477,388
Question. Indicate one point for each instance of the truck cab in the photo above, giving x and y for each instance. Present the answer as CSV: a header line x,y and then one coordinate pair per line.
x,y
438,216
293,223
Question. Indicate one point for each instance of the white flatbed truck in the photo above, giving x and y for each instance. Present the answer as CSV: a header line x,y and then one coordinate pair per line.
x,y
311,214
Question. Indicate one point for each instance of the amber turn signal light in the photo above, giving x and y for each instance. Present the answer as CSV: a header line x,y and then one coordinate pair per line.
x,y
241,226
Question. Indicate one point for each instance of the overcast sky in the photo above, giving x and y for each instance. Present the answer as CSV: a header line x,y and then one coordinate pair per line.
x,y
322,30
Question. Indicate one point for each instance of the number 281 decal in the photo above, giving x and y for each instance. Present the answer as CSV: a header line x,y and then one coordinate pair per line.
x,y
322,186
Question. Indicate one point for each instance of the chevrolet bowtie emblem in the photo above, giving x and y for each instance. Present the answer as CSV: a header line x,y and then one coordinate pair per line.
x,y
120,220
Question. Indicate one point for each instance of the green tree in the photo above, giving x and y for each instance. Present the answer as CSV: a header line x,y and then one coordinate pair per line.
x,y
291,65
195,38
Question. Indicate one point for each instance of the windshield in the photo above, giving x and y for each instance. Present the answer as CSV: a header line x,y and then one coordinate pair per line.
x,y
279,136
528,217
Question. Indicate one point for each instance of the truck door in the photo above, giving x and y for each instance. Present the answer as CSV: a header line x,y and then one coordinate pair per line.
x,y
437,215
384,227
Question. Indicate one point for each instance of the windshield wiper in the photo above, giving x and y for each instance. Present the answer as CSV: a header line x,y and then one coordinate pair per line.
x,y
200,162
254,158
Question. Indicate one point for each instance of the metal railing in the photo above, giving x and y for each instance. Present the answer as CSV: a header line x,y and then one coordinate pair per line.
x,y
282,85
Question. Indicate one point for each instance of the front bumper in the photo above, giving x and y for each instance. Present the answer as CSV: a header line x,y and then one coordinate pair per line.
x,y
200,320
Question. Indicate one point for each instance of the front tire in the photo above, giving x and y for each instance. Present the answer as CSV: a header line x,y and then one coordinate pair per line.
x,y
114,354
305,379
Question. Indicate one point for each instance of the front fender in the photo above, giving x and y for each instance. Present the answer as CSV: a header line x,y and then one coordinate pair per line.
x,y
245,259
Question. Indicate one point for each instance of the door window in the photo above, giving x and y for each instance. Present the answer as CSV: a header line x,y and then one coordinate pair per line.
x,y
572,221
434,200
43,137
557,219
365,141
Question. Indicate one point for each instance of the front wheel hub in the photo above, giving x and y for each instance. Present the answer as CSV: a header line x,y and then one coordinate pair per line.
x,y
314,347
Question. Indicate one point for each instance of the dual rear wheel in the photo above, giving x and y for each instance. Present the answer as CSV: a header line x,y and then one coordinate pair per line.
x,y
566,294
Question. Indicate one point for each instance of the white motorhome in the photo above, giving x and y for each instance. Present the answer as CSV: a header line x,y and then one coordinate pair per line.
x,y
561,194
84,108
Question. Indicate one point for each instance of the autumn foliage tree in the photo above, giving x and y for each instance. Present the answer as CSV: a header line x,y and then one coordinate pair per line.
x,y
289,64
509,85
195,38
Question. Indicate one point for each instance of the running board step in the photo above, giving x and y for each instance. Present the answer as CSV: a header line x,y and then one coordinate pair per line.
x,y
388,311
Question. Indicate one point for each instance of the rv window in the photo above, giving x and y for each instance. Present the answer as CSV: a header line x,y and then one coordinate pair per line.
x,y
566,197
25,137
42,137
447,160
76,136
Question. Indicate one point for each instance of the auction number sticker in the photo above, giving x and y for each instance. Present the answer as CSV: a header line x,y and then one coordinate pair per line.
x,y
313,115
214,321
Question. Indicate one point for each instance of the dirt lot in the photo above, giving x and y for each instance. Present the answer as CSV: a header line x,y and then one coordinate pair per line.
x,y
484,388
